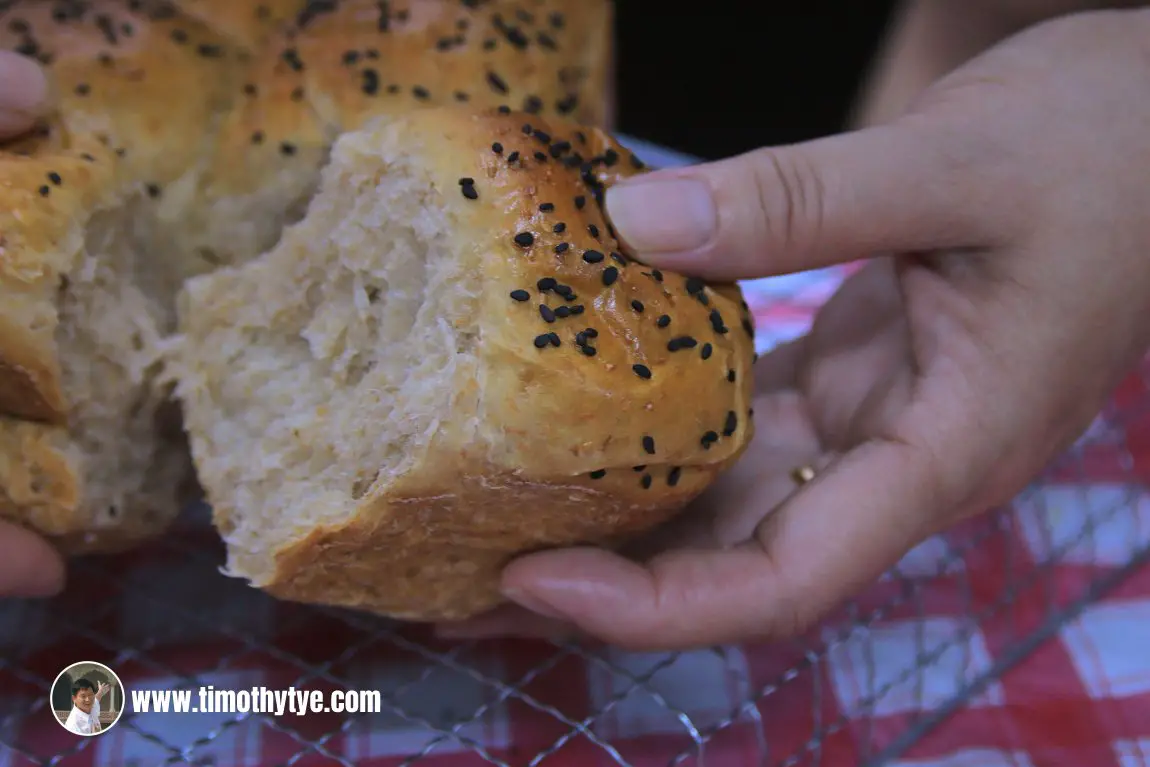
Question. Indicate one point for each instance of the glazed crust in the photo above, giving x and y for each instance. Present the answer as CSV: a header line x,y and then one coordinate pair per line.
x,y
167,96
571,446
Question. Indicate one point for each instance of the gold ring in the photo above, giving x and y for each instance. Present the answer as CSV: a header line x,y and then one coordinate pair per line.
x,y
803,474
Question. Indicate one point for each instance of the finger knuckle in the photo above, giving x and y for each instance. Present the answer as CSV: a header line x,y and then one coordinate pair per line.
x,y
789,191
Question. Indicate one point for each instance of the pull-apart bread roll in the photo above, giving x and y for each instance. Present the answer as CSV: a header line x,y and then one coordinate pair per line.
x,y
186,135
450,360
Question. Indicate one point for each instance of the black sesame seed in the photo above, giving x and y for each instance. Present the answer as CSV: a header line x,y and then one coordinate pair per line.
x,y
559,228
44,191
546,283
646,481
563,312
557,20
559,148
748,327
577,309
393,88
489,45
717,322
637,305
370,84
592,256
657,275
598,474
541,156
83,89
547,313
731,424
542,136
594,230
673,476
610,157
731,376
467,185
153,190
287,149
542,340
503,109
258,137
642,371
291,57
682,342
179,35
706,353
211,51
649,445
497,148
420,92
694,285
553,338
524,239
55,178
580,201
639,468
520,295
527,129
663,321
249,89
562,248
567,104
513,157
589,351
618,258
546,207
708,439
350,57
591,333
610,274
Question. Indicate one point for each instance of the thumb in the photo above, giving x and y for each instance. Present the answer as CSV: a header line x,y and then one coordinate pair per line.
x,y
23,93
909,185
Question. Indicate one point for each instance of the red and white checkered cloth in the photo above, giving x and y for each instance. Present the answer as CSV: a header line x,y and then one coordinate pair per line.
x,y
1081,698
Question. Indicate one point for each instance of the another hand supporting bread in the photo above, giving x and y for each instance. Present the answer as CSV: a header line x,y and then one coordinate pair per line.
x,y
450,361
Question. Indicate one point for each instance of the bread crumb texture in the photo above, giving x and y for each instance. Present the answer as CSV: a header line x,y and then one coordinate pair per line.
x,y
451,360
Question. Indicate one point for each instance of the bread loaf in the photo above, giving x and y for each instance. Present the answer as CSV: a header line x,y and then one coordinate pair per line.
x,y
186,135
448,361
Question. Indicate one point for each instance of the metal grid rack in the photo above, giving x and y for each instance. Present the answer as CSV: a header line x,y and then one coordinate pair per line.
x,y
146,616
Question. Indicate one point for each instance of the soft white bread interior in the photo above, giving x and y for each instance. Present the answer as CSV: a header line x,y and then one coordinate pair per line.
x,y
186,135
451,360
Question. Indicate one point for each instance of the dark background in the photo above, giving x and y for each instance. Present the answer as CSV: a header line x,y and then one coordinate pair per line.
x,y
720,77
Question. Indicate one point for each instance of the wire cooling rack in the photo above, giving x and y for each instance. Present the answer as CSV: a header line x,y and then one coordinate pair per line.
x,y
933,637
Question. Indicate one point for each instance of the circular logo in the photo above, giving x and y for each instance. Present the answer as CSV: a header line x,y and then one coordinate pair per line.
x,y
87,698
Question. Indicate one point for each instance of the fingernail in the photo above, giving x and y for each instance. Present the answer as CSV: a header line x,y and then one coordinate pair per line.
x,y
663,216
533,603
23,85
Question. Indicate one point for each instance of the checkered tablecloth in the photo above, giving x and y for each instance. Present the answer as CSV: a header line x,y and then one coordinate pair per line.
x,y
863,682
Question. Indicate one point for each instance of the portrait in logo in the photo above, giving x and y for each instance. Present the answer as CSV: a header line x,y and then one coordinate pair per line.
x,y
87,698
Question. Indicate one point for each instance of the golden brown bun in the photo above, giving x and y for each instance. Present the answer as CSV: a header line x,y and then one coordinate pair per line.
x,y
520,382
147,172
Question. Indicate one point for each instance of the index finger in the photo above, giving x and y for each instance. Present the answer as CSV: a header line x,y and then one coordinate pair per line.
x,y
839,533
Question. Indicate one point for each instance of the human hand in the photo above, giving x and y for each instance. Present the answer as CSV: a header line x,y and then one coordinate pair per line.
x,y
1008,292
102,689
29,566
